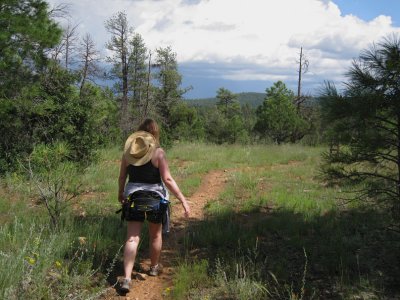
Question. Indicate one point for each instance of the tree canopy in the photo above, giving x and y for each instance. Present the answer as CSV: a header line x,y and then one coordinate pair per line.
x,y
277,117
27,33
366,123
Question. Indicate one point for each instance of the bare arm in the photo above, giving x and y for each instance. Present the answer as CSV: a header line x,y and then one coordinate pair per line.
x,y
169,180
122,179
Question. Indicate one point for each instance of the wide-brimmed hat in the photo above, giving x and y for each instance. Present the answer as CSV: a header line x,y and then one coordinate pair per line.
x,y
139,148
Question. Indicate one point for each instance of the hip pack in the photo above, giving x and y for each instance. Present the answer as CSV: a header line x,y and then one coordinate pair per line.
x,y
144,201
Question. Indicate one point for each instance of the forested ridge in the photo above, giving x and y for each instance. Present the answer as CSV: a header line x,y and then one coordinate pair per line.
x,y
61,130
251,98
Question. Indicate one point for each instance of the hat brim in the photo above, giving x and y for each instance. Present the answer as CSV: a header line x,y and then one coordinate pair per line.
x,y
152,144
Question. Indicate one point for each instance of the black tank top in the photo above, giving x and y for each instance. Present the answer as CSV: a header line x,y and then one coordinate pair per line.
x,y
144,174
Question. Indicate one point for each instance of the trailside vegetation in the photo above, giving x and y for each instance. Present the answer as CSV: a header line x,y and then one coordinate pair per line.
x,y
364,127
275,232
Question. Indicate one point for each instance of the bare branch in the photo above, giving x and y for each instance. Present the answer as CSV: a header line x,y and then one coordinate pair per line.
x,y
61,10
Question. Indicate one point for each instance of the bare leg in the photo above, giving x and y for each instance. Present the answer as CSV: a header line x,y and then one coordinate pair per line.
x,y
155,235
131,244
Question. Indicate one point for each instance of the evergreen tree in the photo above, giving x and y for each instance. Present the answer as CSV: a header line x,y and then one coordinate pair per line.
x,y
366,123
277,116
121,33
227,102
26,33
186,123
138,73
169,80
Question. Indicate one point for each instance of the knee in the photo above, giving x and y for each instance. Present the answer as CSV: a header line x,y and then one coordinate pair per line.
x,y
132,240
156,237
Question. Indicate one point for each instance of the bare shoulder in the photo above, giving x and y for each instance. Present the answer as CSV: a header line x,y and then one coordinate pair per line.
x,y
160,152
158,157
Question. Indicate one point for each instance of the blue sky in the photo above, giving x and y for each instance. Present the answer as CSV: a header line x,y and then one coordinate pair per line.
x,y
253,43
369,9
364,9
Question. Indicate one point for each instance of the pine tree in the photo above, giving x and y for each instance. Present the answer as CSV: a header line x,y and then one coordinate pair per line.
x,y
277,116
138,73
169,80
26,33
366,123
121,33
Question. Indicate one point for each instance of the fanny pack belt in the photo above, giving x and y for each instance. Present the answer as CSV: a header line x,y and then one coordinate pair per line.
x,y
144,201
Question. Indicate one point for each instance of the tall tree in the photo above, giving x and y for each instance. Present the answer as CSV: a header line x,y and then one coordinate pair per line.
x,y
146,107
89,57
249,117
70,39
120,32
27,32
227,102
169,81
367,123
138,72
277,116
303,68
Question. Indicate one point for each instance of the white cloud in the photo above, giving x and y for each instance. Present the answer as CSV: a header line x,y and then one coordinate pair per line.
x,y
263,33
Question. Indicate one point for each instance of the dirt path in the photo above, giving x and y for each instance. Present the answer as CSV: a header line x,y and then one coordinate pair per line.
x,y
153,288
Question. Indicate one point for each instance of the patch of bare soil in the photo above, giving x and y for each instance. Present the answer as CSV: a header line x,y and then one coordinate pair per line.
x,y
153,288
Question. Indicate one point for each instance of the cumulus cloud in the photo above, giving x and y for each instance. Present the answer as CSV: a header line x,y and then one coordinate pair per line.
x,y
261,38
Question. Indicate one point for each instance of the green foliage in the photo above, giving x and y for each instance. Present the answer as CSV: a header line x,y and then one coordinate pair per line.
x,y
277,117
39,263
26,33
54,177
185,123
51,110
138,66
227,102
366,123
101,119
226,123
168,91
250,245
277,233
252,99
189,277
138,75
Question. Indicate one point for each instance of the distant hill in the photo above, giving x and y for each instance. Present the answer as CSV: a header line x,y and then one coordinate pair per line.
x,y
253,99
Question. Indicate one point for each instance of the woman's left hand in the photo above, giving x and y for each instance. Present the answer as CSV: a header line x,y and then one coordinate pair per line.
x,y
186,208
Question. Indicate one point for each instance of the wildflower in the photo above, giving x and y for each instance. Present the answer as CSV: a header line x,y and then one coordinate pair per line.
x,y
82,240
58,264
167,291
30,260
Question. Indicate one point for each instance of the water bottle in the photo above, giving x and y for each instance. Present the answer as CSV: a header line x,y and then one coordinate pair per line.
x,y
164,205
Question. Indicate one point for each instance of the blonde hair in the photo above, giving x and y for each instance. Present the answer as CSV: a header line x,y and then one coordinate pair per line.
x,y
151,126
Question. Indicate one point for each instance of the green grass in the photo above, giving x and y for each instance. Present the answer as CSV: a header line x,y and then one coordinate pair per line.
x,y
275,232
278,200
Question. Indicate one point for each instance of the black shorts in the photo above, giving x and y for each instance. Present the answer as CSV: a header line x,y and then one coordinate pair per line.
x,y
151,216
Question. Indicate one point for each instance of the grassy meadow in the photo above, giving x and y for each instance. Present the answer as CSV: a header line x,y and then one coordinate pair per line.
x,y
276,232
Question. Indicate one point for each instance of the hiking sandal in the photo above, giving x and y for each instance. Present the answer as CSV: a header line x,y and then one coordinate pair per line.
x,y
125,285
154,270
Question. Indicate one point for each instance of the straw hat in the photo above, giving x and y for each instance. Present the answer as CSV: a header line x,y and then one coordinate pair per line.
x,y
139,148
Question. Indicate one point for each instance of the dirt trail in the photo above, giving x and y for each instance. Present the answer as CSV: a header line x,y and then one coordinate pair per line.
x,y
153,288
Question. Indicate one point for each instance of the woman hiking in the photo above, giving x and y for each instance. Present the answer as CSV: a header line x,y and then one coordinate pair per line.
x,y
145,165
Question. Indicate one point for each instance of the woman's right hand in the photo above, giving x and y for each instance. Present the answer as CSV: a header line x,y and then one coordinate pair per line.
x,y
121,198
